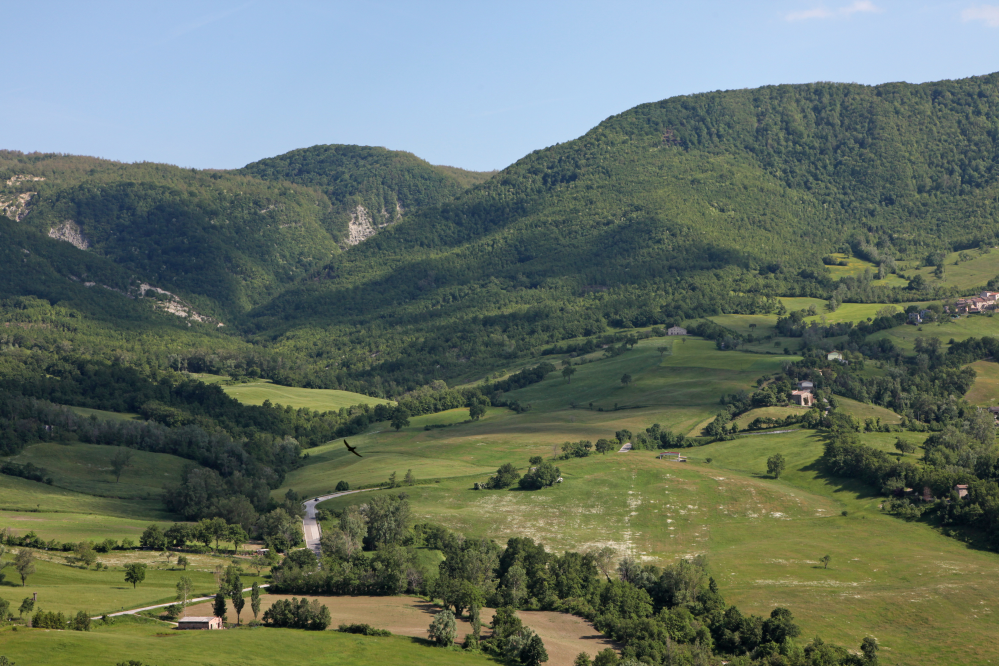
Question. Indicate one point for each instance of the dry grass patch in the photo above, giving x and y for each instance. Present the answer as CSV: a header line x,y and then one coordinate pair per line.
x,y
564,635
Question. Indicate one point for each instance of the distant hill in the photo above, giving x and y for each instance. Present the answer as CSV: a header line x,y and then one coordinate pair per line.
x,y
691,206
370,188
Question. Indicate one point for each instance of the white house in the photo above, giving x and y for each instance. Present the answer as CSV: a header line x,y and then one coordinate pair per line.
x,y
676,330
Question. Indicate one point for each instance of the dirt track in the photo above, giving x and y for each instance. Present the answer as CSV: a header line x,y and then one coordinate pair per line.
x,y
565,636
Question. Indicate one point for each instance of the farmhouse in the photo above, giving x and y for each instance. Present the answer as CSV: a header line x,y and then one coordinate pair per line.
x,y
802,398
834,356
676,330
805,386
199,623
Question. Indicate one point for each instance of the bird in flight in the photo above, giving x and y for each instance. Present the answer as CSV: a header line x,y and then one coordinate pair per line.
x,y
352,449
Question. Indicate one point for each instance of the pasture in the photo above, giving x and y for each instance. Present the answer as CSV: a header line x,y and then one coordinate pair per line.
x,y
965,275
153,642
86,468
763,538
323,400
17,494
68,588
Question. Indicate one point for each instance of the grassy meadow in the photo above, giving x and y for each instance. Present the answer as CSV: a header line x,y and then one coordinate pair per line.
x,y
86,468
68,588
153,642
919,592
963,275
255,393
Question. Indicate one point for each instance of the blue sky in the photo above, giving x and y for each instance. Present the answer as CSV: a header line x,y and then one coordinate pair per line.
x,y
470,84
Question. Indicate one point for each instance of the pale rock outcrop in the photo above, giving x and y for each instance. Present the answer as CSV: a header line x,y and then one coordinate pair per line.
x,y
70,232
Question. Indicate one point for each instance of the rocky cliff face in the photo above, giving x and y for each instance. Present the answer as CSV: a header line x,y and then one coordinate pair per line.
x,y
363,225
70,232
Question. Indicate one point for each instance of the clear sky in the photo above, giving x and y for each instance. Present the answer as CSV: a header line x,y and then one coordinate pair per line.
x,y
466,83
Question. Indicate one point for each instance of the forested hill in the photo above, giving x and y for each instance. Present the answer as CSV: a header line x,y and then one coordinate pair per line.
x,y
369,187
663,212
223,242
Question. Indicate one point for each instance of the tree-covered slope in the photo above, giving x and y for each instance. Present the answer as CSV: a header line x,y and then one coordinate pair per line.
x,y
668,210
226,242
369,187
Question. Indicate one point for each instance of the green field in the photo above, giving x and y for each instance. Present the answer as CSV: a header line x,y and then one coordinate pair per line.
x,y
101,414
64,587
75,527
966,274
763,537
255,393
153,642
86,468
18,494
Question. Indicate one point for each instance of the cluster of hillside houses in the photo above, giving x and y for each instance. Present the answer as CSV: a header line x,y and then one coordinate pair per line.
x,y
985,301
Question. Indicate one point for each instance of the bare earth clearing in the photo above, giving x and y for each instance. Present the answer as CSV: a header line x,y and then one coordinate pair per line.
x,y
564,635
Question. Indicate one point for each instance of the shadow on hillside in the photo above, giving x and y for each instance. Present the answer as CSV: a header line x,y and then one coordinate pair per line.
x,y
838,484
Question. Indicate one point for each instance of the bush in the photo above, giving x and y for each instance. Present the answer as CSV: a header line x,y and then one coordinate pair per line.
x,y
363,630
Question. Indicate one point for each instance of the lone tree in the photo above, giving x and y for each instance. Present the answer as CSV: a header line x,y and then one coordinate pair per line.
x,y
182,561
85,554
626,379
135,573
236,595
443,629
342,486
476,411
400,418
218,606
904,446
121,460
567,373
825,560
184,588
24,563
534,653
27,605
255,600
662,351
776,465
409,479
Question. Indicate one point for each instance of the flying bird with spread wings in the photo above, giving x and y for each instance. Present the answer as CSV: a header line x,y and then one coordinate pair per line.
x,y
352,449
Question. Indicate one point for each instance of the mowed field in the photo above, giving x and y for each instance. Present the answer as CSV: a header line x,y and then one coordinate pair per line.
x,y
565,636
152,642
323,400
86,468
68,588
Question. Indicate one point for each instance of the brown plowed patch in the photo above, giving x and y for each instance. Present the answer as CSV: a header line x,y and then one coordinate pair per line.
x,y
564,635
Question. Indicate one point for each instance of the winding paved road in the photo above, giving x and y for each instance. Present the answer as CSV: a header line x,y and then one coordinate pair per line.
x,y
310,526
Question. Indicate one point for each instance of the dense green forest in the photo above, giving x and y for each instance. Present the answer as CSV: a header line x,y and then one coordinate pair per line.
x,y
692,206
386,183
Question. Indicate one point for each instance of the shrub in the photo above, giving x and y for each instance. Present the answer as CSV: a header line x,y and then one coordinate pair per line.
x,y
363,629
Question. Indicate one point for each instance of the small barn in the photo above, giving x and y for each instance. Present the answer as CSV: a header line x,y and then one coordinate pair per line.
x,y
962,490
199,623
676,330
802,398
672,455
805,386
834,356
